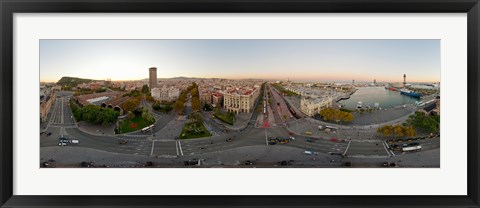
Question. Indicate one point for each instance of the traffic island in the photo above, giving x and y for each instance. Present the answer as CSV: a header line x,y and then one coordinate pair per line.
x,y
193,130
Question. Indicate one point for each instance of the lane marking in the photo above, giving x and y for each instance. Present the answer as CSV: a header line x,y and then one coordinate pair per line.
x,y
385,147
389,151
176,147
62,119
153,145
346,149
180,146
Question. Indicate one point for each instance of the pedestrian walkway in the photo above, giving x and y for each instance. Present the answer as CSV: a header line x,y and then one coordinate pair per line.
x,y
171,130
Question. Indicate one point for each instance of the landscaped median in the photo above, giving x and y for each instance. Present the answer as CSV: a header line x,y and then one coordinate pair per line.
x,y
134,122
227,118
194,128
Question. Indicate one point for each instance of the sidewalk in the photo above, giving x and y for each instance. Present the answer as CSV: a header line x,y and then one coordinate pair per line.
x,y
98,130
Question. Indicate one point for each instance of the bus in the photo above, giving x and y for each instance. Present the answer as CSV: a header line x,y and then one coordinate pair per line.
x,y
331,127
148,128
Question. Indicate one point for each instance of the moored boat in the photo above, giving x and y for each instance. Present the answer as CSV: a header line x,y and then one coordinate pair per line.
x,y
410,93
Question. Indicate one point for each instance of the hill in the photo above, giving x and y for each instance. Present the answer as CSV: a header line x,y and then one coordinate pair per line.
x,y
73,81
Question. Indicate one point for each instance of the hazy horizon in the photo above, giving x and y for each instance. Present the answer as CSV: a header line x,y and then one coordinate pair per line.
x,y
296,60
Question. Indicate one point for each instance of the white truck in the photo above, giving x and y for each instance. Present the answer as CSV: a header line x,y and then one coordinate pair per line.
x,y
412,148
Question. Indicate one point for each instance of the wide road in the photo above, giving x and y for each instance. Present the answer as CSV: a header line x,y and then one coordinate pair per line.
x,y
62,124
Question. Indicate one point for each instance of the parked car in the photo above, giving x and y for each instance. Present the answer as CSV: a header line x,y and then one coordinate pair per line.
x,y
308,152
49,133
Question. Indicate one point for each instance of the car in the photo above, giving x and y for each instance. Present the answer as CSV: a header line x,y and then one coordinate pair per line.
x,y
391,141
309,140
394,147
249,162
292,138
413,144
49,133
399,140
308,152
272,143
63,140
404,145
229,140
62,144
410,140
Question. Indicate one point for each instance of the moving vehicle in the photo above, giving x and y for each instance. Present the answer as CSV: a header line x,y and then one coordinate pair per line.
x,y
148,128
412,148
308,152
308,133
331,127
359,104
74,141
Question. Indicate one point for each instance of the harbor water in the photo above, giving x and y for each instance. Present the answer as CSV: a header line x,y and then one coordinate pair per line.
x,y
371,95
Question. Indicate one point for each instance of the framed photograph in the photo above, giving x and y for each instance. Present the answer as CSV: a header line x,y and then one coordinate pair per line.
x,y
242,103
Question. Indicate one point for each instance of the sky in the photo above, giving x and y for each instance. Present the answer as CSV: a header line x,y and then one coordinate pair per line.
x,y
297,60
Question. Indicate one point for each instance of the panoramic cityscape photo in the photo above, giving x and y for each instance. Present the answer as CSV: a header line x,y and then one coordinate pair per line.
x,y
240,103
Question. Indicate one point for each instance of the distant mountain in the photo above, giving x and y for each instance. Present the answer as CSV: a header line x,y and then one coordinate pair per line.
x,y
73,81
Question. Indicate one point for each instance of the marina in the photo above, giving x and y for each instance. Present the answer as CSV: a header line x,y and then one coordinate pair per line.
x,y
378,97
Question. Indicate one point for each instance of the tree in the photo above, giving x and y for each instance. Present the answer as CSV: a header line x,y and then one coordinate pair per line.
x,y
430,123
146,90
196,104
131,104
96,115
398,130
147,116
386,130
130,115
330,114
179,106
410,131
149,98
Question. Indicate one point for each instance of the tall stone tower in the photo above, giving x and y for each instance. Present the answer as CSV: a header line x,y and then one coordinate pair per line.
x,y
404,80
152,79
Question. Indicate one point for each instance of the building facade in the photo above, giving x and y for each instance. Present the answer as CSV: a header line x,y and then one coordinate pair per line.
x,y
240,101
206,97
165,94
152,78
46,103
217,98
313,106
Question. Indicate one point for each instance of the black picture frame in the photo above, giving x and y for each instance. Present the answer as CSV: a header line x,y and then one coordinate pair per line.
x,y
10,7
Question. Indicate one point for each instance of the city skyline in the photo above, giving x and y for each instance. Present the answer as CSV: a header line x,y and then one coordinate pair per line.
x,y
296,60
